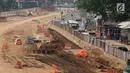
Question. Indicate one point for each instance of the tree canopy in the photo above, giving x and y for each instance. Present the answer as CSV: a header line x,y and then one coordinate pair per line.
x,y
102,7
6,5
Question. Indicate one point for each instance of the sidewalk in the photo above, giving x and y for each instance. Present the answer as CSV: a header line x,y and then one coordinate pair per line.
x,y
116,43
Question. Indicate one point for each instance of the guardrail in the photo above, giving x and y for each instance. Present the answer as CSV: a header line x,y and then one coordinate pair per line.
x,y
96,42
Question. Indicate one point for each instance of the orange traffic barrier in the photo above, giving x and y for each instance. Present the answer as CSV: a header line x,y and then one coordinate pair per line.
x,y
112,71
82,53
46,33
4,47
41,27
19,65
67,45
54,69
51,37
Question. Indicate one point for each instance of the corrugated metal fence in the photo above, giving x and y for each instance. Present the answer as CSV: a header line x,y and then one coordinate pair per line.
x,y
97,42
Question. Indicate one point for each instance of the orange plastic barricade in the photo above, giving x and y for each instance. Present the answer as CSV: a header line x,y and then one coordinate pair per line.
x,y
43,31
112,71
4,47
54,69
68,46
46,33
82,53
51,37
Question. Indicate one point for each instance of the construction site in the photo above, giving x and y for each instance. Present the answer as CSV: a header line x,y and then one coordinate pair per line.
x,y
29,45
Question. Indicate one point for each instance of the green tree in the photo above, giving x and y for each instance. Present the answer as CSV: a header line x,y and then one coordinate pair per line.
x,y
11,4
6,5
1,3
102,7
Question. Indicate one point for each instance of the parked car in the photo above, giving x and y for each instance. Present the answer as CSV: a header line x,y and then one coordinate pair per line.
x,y
73,24
78,19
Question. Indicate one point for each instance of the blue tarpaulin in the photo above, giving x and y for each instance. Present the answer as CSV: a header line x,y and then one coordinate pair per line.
x,y
31,40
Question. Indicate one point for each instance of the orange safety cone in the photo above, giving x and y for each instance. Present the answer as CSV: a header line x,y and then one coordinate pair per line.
x,y
54,69
4,47
82,53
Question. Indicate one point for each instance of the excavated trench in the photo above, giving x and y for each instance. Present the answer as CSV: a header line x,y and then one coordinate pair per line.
x,y
56,45
78,65
66,62
63,39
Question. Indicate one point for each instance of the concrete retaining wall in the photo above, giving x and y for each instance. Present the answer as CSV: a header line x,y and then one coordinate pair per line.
x,y
72,38
86,45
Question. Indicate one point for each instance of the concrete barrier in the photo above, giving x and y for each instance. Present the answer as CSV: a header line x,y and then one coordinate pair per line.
x,y
19,12
3,19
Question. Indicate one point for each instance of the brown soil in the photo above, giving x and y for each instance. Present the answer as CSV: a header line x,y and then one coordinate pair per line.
x,y
23,29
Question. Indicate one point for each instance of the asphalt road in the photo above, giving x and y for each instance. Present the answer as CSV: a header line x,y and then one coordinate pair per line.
x,y
75,16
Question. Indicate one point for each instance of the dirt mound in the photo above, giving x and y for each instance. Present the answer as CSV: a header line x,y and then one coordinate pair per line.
x,y
67,62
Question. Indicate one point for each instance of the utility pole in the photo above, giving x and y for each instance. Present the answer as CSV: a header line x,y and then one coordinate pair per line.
x,y
100,26
18,4
74,5
61,15
37,6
